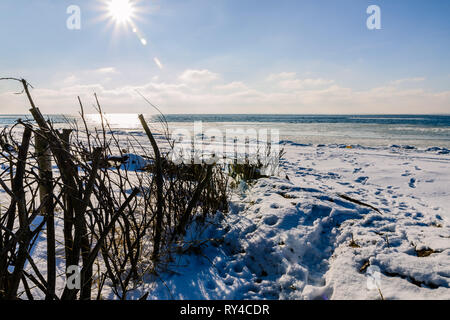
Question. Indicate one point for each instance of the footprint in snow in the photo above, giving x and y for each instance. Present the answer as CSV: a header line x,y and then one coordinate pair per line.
x,y
356,170
412,183
271,220
362,180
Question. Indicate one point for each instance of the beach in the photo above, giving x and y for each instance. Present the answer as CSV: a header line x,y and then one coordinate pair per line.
x,y
298,238
232,157
337,221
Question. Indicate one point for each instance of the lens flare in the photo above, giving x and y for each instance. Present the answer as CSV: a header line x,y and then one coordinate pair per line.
x,y
121,10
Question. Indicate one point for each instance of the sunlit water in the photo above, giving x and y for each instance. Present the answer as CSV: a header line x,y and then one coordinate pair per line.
x,y
383,130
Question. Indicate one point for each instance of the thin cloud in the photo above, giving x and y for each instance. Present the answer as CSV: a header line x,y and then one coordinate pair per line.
x,y
304,83
407,80
236,85
281,76
290,81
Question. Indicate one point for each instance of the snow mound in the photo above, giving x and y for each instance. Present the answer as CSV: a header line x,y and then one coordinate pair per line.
x,y
281,241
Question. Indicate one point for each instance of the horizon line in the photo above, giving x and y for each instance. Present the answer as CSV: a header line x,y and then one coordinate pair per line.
x,y
266,114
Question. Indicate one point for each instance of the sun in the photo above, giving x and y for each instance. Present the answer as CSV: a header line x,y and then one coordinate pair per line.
x,y
121,11
123,15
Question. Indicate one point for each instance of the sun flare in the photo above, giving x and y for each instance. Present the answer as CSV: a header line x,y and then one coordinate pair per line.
x,y
123,16
121,10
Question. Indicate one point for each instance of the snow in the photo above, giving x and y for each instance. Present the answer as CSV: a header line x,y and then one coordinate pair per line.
x,y
292,238
295,237
134,162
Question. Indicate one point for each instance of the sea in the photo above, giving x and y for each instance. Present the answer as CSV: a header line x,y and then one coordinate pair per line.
x,y
419,131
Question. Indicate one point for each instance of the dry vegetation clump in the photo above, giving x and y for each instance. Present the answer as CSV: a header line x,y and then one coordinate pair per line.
x,y
116,222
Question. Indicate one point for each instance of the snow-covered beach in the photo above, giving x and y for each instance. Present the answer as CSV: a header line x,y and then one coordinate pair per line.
x,y
236,158
338,221
298,238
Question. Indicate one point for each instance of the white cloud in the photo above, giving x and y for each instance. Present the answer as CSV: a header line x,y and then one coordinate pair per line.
x,y
203,91
231,86
99,75
70,80
107,70
198,76
290,81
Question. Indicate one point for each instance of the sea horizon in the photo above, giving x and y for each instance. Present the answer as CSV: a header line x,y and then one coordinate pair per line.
x,y
421,131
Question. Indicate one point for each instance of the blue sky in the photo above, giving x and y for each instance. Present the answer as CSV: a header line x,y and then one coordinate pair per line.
x,y
231,56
